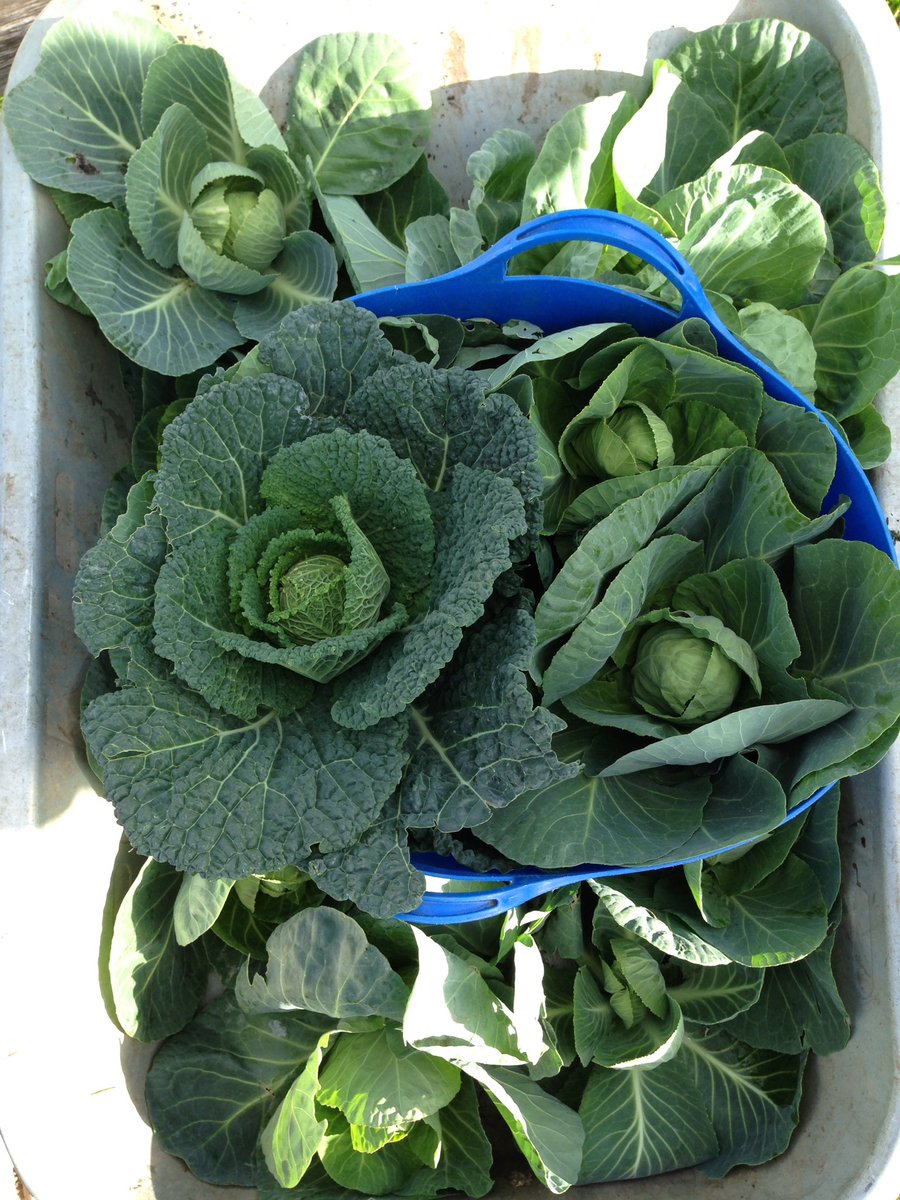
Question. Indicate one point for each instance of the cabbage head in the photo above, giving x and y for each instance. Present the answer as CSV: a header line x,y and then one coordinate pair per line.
x,y
313,617
719,657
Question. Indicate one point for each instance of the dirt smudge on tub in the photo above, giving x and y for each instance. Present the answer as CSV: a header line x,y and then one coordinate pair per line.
x,y
456,72
527,54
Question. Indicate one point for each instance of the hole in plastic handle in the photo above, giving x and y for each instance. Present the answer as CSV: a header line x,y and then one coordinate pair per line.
x,y
607,228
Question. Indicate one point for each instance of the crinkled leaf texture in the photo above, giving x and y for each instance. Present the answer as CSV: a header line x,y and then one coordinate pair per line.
x,y
244,741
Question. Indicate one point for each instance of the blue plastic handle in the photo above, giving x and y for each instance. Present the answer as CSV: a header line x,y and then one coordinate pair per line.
x,y
503,891
485,289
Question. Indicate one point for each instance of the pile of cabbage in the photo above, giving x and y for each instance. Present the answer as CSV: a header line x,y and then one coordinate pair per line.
x,y
583,608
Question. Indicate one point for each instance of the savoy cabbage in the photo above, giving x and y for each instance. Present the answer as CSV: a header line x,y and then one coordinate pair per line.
x,y
298,605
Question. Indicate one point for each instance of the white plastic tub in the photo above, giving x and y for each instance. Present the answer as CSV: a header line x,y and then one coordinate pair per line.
x,y
70,1090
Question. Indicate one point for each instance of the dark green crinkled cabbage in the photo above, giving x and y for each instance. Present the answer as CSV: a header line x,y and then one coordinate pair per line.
x,y
297,605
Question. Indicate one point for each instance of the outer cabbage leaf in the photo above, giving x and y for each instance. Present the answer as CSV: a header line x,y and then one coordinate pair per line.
x,y
764,74
752,1096
843,180
856,332
593,819
430,250
195,76
158,182
74,122
479,740
417,194
643,1122
573,167
320,960
358,112
498,171
750,250
226,1073
375,873
671,139
225,798
371,259
305,272
156,317
114,588
845,604
329,351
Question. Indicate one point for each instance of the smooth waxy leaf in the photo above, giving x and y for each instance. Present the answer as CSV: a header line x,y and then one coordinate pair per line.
x,y
732,734
282,177
358,112
320,960
607,545
780,920
643,1122
573,166
603,1036
213,271
294,1134
632,906
159,180
854,657
305,273
453,1014
711,995
843,180
751,252
752,1097
56,281
856,332
213,1087
558,356
784,341
547,1132
465,1152
126,867
156,317
175,772
498,171
671,139
156,984
764,74
381,1173
430,249
75,122
595,640
375,1079
799,1008
595,819
198,905
745,802
195,76
418,194
371,259
769,522
802,449
869,437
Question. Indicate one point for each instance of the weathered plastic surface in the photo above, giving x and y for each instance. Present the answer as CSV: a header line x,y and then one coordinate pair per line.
x,y
70,1090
